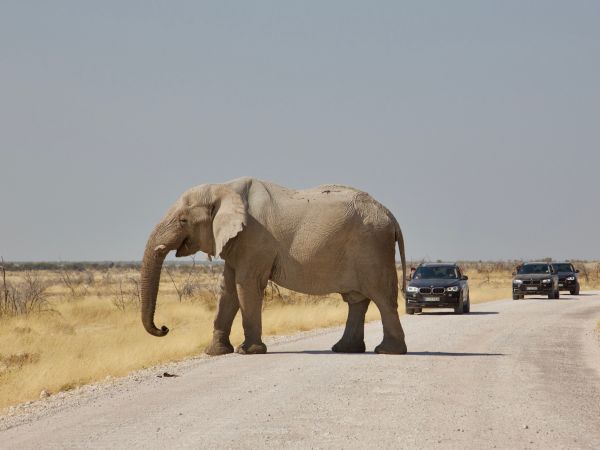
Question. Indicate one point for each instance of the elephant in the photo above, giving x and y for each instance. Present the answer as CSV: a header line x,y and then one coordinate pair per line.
x,y
328,239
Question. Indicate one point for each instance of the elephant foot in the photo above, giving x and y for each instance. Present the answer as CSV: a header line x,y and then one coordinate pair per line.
x,y
217,348
395,347
349,347
251,349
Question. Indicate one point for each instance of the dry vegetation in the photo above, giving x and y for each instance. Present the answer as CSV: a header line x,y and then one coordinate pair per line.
x,y
61,327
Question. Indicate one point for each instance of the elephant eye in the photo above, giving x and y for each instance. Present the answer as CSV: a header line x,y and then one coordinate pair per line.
x,y
183,221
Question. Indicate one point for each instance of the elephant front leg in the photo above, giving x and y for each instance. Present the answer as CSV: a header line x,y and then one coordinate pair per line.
x,y
352,340
250,296
226,311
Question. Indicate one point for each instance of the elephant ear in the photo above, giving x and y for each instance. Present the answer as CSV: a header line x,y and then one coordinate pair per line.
x,y
229,216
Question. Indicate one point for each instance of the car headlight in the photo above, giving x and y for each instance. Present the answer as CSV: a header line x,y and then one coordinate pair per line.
x,y
412,289
518,281
547,280
570,278
452,289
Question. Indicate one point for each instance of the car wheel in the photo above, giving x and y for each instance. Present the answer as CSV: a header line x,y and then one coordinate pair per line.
x,y
576,290
516,296
410,311
467,306
551,295
418,310
557,295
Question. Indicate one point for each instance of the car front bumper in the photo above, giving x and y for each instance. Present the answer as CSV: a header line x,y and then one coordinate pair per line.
x,y
533,290
446,300
567,285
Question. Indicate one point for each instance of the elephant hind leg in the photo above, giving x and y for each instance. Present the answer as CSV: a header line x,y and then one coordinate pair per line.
x,y
352,340
393,335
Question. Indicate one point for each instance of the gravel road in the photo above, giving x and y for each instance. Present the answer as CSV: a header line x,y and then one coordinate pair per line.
x,y
512,374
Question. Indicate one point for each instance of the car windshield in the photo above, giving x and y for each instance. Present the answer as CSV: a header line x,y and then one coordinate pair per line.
x,y
424,273
534,268
563,267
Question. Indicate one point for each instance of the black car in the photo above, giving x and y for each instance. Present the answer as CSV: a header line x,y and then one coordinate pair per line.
x,y
567,277
438,285
535,278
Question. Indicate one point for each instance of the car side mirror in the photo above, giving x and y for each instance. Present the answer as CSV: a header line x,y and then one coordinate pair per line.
x,y
577,271
464,277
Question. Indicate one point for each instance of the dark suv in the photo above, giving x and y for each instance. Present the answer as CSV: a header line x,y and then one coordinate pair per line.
x,y
567,277
535,278
438,285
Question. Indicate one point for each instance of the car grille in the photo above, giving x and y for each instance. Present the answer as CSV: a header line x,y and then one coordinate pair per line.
x,y
437,290
530,282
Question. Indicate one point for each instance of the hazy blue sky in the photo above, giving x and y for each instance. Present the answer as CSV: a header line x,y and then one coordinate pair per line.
x,y
476,122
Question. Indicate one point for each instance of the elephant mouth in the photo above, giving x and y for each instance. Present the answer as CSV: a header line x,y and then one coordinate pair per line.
x,y
184,249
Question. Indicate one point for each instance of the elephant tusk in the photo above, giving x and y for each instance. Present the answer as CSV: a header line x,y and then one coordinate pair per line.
x,y
160,248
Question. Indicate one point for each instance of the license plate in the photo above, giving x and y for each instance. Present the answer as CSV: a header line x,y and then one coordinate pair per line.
x,y
531,288
560,285
432,299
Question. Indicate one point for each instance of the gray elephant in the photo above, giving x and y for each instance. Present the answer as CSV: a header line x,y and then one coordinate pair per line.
x,y
316,241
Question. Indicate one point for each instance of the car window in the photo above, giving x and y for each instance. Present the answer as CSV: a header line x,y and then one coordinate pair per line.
x,y
534,269
563,267
431,272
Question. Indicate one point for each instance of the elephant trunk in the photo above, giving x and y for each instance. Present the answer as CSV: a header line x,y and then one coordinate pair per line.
x,y
154,255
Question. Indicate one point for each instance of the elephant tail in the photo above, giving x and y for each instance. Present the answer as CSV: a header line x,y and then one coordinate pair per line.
x,y
400,241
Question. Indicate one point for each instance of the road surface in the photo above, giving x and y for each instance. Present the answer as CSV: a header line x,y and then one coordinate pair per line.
x,y
512,374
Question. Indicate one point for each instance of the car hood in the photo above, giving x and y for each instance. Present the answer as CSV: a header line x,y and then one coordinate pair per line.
x,y
433,282
532,276
566,274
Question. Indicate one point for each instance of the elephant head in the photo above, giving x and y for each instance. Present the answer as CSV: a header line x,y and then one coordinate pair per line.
x,y
204,218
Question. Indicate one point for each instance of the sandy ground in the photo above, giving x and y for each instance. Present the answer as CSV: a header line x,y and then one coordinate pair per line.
x,y
512,374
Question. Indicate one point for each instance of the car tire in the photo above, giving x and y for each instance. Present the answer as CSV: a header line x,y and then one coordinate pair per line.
x,y
557,295
516,296
410,311
576,290
459,308
418,310
467,306
551,295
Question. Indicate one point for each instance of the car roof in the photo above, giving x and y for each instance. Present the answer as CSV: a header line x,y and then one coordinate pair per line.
x,y
561,262
536,262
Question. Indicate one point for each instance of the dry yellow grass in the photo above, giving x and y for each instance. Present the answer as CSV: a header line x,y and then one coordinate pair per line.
x,y
88,339
93,328
85,339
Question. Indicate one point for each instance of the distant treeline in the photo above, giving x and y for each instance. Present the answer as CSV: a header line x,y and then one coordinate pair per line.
x,y
94,265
